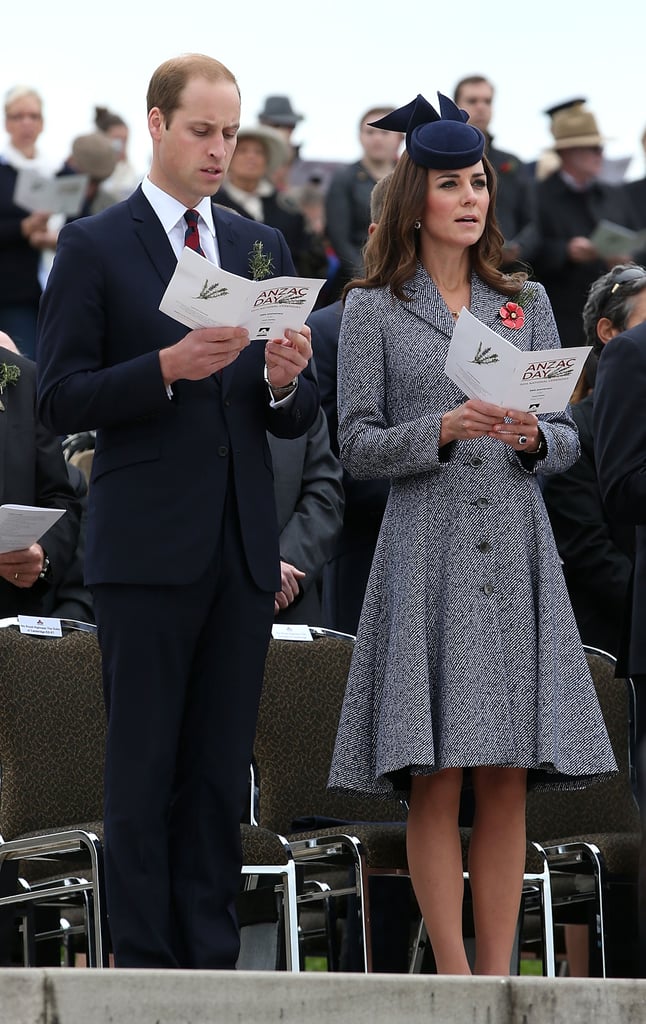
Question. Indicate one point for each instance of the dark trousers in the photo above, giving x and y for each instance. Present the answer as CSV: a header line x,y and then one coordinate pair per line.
x,y
183,669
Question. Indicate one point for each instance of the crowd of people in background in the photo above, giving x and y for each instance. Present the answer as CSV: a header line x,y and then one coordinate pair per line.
x,y
574,233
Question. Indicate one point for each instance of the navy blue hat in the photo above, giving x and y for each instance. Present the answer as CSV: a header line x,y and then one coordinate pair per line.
x,y
442,141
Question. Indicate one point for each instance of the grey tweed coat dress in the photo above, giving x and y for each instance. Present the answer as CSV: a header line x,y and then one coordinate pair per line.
x,y
467,650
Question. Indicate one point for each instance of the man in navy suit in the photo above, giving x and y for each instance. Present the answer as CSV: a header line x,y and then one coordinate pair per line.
x,y
182,547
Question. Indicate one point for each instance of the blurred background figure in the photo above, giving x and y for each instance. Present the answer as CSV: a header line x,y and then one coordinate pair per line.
x,y
635,192
515,202
347,204
33,472
248,189
23,235
94,155
309,504
124,178
571,201
279,114
346,574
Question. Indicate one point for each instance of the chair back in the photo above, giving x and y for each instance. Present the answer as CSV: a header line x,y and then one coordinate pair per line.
x,y
300,707
608,805
52,731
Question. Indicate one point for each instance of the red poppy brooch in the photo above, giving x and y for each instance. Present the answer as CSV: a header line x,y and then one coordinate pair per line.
x,y
512,315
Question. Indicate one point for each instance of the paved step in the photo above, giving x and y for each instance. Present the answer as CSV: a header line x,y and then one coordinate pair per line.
x,y
79,996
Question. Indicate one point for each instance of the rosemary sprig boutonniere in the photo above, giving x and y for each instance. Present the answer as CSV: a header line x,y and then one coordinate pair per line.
x,y
9,374
261,264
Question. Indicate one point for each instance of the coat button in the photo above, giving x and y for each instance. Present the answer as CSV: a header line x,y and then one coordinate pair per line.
x,y
223,450
475,460
488,589
484,546
482,502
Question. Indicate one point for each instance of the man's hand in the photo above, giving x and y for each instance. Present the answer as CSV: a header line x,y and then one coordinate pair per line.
x,y
22,568
201,353
289,577
287,357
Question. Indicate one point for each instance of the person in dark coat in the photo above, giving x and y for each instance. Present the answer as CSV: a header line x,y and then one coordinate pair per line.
x,y
620,449
515,198
309,504
182,542
347,200
597,549
33,473
346,575
570,204
248,190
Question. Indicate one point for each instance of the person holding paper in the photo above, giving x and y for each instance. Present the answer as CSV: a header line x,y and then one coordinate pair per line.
x,y
182,542
468,664
34,474
23,235
571,203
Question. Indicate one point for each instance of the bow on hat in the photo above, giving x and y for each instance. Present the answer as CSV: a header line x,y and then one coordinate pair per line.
x,y
442,141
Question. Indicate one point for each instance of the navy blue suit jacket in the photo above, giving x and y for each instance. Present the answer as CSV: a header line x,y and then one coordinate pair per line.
x,y
162,468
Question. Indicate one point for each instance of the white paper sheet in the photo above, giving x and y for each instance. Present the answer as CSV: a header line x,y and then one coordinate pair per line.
x,y
487,366
22,525
200,294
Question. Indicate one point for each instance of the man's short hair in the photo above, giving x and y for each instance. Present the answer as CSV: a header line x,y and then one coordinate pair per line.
x,y
374,113
470,80
170,78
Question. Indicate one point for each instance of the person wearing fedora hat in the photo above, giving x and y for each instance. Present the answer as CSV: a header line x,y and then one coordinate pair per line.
x,y
93,155
279,114
468,665
571,201
248,190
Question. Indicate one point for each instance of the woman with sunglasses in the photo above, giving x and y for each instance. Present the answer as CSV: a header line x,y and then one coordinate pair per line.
x,y
468,664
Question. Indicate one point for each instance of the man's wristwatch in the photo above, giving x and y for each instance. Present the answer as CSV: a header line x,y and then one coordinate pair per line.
x,y
46,570
279,393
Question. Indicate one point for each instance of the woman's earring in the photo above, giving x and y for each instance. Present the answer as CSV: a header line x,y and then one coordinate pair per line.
x,y
417,225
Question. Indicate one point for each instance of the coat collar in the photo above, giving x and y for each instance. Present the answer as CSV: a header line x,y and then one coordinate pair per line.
x,y
427,303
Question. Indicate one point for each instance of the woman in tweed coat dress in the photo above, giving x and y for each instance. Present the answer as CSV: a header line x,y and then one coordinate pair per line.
x,y
467,653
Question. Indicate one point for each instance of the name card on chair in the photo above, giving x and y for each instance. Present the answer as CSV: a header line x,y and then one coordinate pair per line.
x,y
286,631
39,625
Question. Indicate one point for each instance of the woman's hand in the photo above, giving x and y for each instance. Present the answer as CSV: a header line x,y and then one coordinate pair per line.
x,y
471,419
520,431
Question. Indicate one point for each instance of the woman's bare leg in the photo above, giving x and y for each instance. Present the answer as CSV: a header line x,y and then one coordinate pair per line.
x,y
435,864
497,863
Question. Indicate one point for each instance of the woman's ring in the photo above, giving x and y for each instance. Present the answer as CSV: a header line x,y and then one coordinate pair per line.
x,y
522,439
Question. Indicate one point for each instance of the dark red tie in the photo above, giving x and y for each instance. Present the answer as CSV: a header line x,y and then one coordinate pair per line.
x,y
192,234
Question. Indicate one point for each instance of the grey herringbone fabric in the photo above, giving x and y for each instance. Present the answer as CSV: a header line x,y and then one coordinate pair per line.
x,y
467,650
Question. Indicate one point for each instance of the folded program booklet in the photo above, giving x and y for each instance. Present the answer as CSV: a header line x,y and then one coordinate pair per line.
x,y
22,525
487,366
201,294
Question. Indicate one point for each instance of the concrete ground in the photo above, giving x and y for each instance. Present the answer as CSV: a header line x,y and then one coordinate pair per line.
x,y
78,996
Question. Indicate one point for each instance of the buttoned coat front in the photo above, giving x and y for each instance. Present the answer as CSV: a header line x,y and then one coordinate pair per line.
x,y
467,651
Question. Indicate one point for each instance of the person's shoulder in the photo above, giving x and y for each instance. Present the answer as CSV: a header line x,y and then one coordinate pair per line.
x,y
326,314
26,366
347,172
506,163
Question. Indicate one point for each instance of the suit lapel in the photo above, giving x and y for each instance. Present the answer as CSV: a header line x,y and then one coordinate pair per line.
x,y
152,235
